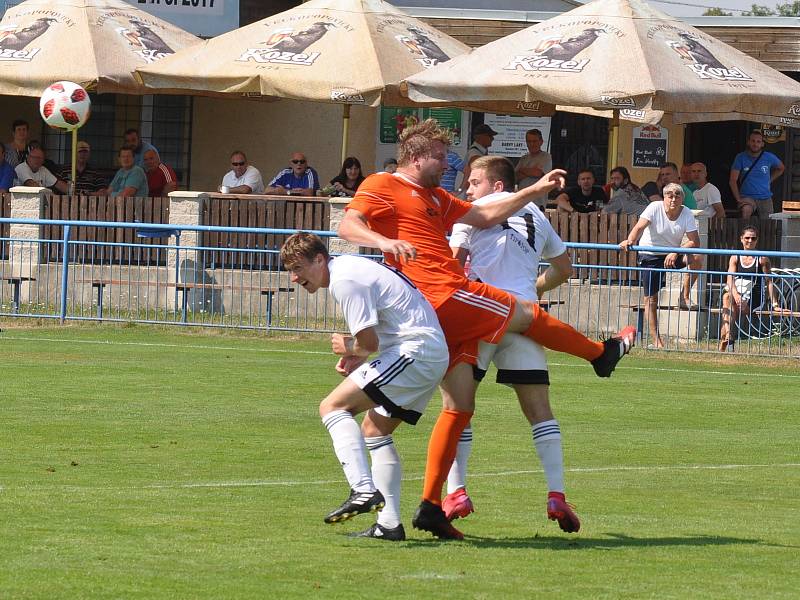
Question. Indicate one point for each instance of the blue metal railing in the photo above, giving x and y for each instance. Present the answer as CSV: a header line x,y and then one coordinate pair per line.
x,y
256,293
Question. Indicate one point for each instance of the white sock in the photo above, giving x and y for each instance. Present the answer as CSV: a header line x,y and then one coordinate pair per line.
x,y
547,440
457,477
348,443
387,473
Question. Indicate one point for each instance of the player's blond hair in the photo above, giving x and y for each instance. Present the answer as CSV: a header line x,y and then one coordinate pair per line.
x,y
418,139
302,245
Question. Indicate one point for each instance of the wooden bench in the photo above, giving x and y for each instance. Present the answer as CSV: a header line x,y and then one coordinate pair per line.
x,y
183,288
16,282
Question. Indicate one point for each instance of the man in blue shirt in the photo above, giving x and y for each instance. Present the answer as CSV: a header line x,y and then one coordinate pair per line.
x,y
298,180
455,165
6,172
752,174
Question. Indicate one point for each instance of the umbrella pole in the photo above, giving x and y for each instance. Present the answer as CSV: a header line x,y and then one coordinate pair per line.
x,y
345,130
613,141
71,187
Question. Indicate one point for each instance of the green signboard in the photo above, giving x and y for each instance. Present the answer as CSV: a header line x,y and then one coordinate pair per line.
x,y
394,120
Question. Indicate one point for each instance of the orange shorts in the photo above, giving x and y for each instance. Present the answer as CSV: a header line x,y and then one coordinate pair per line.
x,y
475,313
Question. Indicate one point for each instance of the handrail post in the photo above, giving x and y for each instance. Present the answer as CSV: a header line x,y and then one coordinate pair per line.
x,y
64,272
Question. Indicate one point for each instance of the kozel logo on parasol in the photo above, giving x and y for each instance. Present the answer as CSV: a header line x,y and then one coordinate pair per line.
x,y
703,63
557,53
149,46
287,47
14,40
422,47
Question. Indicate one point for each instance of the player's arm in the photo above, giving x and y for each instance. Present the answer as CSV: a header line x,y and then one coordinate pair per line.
x,y
558,272
361,345
492,213
460,254
731,283
719,212
354,228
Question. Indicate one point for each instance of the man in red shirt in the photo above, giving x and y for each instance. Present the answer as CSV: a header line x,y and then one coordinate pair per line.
x,y
161,179
407,216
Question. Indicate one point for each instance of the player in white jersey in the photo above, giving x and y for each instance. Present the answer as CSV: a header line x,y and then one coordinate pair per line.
x,y
387,315
507,256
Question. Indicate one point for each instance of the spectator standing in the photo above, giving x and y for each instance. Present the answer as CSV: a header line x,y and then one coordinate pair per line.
x,y
751,178
626,197
299,179
482,138
88,180
161,178
455,165
130,181
17,148
33,173
534,164
7,174
663,224
243,178
668,173
586,197
349,178
134,140
686,176
706,194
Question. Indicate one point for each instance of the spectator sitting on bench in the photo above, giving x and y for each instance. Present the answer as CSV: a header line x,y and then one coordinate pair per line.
x,y
33,173
130,181
745,289
663,224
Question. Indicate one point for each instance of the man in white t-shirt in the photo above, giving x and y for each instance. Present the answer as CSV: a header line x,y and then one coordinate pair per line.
x,y
389,318
33,173
507,256
243,178
706,194
534,164
663,224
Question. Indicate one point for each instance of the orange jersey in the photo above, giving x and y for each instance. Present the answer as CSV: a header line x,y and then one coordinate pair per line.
x,y
399,209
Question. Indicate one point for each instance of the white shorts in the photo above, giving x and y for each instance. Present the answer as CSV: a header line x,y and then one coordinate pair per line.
x,y
518,360
401,386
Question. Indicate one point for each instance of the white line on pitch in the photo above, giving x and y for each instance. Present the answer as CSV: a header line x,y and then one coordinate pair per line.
x,y
287,351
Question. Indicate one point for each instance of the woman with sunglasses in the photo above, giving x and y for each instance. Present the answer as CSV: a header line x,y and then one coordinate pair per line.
x,y
747,276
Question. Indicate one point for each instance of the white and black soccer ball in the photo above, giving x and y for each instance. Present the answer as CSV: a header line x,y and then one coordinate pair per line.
x,y
65,105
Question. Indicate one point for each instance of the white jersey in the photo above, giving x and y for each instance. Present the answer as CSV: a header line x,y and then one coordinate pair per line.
x,y
372,294
507,255
663,232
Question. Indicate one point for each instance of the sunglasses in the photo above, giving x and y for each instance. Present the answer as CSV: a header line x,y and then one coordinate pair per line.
x,y
238,164
749,239
298,162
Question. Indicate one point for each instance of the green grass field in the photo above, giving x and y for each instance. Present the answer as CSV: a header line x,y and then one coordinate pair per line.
x,y
143,462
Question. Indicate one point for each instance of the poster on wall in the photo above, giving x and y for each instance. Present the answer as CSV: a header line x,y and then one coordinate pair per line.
x,y
510,138
650,145
773,134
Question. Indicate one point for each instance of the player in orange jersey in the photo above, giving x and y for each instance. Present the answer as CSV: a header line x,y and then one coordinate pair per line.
x,y
407,216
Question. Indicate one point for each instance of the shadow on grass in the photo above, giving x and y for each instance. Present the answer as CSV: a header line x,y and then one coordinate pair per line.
x,y
610,542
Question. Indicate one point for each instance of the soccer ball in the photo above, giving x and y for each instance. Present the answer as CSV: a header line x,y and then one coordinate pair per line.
x,y
65,105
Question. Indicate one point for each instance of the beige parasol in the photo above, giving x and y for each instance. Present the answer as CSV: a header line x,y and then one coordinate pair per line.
x,y
96,43
336,51
621,58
